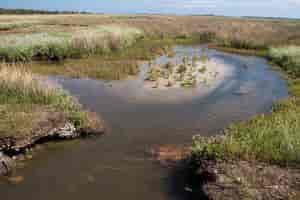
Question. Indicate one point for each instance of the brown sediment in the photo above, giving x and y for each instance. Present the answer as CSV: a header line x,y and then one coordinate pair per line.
x,y
170,155
235,180
229,179
51,125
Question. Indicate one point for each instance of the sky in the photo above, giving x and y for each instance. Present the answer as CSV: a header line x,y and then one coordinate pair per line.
x,y
265,8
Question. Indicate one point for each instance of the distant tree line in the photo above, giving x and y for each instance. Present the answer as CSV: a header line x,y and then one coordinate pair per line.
x,y
4,11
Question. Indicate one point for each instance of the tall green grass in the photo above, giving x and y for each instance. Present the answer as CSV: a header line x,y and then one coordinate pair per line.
x,y
58,46
19,86
288,58
272,138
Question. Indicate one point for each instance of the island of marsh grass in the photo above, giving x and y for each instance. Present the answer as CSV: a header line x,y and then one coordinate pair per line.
x,y
272,138
25,100
58,46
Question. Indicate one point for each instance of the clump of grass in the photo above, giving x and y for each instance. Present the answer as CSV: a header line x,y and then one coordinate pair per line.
x,y
207,36
185,60
189,83
153,74
288,58
22,92
58,46
202,70
274,138
181,69
169,66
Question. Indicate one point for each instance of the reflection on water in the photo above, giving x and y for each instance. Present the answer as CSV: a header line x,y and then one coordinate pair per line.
x,y
116,166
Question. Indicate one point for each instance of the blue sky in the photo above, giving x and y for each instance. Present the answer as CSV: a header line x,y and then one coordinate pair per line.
x,y
270,8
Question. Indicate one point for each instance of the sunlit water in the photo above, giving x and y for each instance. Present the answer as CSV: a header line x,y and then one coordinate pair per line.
x,y
117,165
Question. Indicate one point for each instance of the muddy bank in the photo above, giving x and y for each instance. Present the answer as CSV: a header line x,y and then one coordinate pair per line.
x,y
51,126
235,180
228,179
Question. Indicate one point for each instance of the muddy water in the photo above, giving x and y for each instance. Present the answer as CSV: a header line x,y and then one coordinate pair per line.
x,y
117,165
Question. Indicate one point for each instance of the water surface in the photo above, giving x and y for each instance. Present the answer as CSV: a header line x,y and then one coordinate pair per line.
x,y
117,165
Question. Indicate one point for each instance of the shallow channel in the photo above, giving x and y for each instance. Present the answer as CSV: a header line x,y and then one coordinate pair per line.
x,y
118,165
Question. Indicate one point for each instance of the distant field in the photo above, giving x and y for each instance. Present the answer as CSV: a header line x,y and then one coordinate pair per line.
x,y
258,31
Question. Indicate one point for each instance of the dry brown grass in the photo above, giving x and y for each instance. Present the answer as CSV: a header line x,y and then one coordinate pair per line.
x,y
254,30
27,103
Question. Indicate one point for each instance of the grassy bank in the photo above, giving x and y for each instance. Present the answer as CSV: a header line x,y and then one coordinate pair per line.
x,y
60,45
109,65
273,138
92,67
25,102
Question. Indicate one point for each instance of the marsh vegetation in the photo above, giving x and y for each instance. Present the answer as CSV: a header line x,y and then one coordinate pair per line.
x,y
272,138
111,47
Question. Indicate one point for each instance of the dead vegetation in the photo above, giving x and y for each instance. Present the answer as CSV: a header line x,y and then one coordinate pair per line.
x,y
255,31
